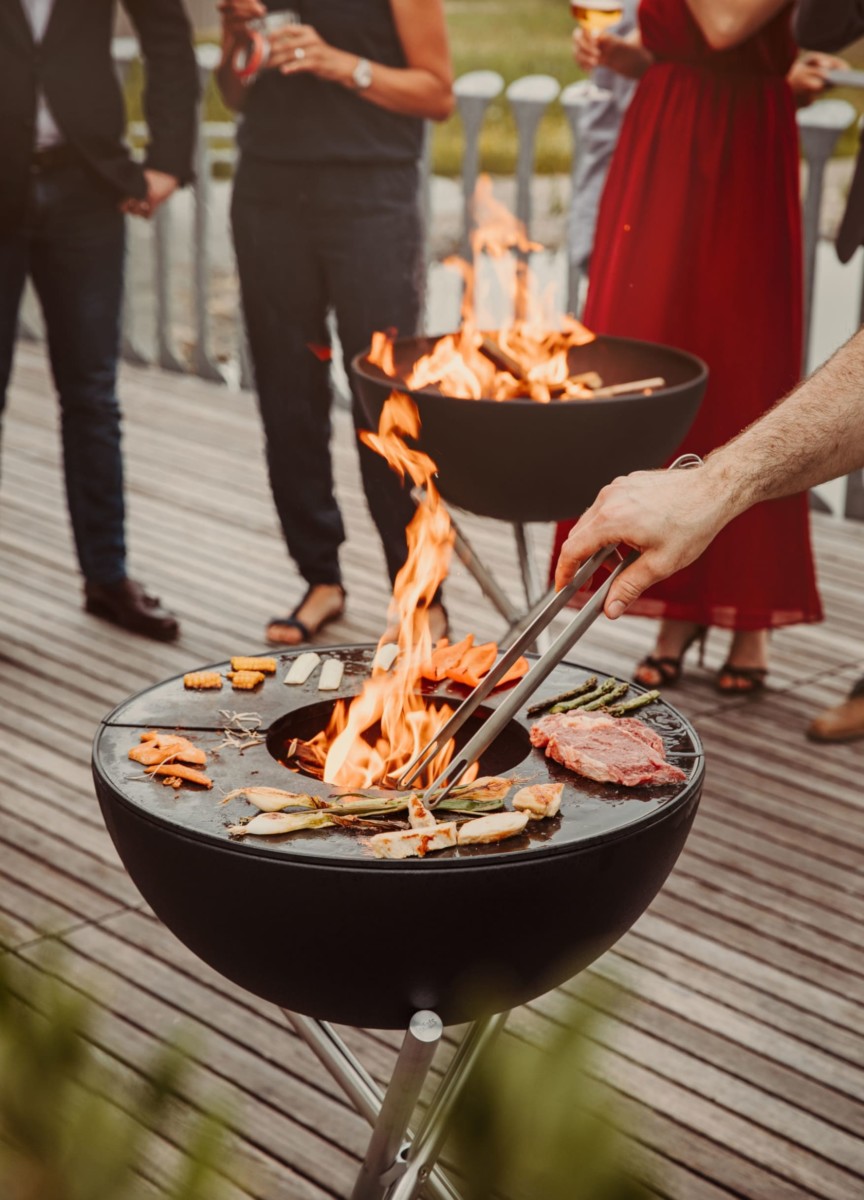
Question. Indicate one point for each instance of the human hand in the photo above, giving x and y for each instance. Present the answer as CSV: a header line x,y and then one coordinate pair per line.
x,y
236,13
299,49
669,516
626,56
160,186
807,76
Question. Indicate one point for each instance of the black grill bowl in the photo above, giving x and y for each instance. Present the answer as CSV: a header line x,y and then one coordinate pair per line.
x,y
519,460
370,945
318,926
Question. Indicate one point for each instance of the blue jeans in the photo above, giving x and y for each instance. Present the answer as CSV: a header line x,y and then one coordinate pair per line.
x,y
311,238
71,244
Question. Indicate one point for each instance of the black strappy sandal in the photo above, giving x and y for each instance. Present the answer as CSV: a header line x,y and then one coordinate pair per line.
x,y
292,621
749,680
667,667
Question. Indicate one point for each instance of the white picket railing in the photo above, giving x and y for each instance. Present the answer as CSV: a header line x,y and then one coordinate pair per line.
x,y
529,97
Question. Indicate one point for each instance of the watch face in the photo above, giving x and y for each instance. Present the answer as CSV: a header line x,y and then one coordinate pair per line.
x,y
363,73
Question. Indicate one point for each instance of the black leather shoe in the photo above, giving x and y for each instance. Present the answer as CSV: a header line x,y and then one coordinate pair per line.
x,y
128,605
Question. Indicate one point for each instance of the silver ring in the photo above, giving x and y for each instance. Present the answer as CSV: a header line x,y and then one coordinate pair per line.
x,y
299,52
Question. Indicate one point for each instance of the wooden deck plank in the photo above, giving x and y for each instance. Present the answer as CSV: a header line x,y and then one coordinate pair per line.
x,y
735,1053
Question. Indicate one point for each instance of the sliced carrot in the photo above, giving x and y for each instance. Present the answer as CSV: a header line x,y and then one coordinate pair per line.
x,y
446,656
474,664
181,772
519,668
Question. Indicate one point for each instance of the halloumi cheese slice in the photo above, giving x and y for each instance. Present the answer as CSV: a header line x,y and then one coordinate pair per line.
x,y
413,843
494,828
302,668
539,800
331,675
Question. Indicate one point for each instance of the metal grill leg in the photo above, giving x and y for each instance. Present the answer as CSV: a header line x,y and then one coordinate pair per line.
x,y
412,1066
427,1143
530,581
389,1113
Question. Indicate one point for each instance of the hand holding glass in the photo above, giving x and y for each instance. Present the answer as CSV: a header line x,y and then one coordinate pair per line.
x,y
598,15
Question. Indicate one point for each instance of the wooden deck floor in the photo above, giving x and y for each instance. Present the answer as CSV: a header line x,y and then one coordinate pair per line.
x,y
739,1055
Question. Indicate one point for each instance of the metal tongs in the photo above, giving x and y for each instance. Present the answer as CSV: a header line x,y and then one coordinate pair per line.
x,y
545,665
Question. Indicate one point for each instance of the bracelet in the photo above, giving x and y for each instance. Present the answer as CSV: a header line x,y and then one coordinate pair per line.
x,y
247,60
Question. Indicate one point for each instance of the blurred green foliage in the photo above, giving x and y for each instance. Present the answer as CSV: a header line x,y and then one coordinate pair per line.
x,y
69,1127
533,1123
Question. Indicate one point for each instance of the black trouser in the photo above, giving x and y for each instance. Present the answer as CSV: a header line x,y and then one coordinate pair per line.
x,y
308,239
71,244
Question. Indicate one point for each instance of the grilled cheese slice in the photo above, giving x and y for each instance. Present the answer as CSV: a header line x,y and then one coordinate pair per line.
x,y
494,828
413,843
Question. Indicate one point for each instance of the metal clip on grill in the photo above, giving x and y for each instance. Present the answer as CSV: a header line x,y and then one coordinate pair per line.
x,y
545,665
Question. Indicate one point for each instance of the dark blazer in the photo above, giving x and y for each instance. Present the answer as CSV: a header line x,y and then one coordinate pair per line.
x,y
73,67
831,25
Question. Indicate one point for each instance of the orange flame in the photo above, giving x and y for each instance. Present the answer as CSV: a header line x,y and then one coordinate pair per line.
x,y
528,358
370,739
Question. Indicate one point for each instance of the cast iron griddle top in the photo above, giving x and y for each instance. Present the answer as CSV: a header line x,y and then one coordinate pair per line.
x,y
590,812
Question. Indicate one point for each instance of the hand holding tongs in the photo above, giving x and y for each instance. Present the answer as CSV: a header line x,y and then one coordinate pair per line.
x,y
545,665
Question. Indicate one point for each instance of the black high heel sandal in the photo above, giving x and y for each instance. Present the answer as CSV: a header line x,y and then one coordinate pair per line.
x,y
743,681
667,667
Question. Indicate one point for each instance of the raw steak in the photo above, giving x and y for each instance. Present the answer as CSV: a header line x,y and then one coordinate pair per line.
x,y
619,750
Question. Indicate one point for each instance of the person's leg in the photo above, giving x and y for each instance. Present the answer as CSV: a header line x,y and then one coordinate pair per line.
x,y
13,274
373,251
77,267
662,667
284,305
746,666
76,262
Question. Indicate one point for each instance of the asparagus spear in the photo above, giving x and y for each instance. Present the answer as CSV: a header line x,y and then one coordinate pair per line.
x,y
621,710
603,690
588,686
614,693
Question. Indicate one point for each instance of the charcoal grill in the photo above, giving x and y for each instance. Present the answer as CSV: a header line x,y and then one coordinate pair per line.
x,y
328,933
522,461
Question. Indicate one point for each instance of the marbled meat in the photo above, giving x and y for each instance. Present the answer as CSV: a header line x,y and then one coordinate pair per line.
x,y
622,750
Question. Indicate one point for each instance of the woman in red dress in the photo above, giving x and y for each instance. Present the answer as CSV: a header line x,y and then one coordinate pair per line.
x,y
699,246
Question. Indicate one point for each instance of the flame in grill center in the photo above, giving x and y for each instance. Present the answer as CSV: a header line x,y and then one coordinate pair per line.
x,y
528,357
371,738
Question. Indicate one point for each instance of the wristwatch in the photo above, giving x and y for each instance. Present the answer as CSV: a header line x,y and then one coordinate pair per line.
x,y
361,76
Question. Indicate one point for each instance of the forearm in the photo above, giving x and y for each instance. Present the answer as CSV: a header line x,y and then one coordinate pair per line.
x,y
815,434
171,86
725,23
413,91
231,89
640,59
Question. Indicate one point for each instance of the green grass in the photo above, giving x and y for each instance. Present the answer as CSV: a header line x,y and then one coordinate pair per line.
x,y
848,144
514,38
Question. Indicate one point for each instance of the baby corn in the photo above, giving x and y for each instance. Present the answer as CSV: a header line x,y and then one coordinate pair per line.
x,y
266,665
244,681
202,680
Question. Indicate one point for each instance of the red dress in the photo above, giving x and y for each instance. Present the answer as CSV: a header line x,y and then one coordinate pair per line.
x,y
699,246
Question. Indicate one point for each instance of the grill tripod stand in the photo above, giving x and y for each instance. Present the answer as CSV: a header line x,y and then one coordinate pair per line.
x,y
536,596
398,1164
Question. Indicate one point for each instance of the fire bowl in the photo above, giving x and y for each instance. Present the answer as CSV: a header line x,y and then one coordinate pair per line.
x,y
504,756
520,460
317,925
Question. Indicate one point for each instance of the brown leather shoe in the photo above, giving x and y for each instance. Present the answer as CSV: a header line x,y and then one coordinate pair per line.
x,y
844,723
128,605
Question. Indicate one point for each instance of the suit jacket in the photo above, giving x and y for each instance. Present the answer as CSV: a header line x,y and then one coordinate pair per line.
x,y
831,25
73,67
